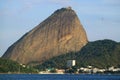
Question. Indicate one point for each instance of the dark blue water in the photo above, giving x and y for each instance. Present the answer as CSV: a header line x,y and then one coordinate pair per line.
x,y
57,77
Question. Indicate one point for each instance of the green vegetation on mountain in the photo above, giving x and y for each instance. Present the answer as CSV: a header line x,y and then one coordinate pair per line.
x,y
9,66
101,54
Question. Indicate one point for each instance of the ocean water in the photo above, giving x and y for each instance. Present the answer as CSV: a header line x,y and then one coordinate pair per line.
x,y
58,77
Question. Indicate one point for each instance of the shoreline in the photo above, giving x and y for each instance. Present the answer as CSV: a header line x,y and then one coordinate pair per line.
x,y
59,73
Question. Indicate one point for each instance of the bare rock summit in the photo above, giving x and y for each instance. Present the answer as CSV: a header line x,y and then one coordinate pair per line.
x,y
59,34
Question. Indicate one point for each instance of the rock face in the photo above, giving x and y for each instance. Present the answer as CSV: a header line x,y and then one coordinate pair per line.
x,y
60,33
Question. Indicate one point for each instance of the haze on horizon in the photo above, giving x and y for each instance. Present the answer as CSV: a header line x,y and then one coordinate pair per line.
x,y
100,18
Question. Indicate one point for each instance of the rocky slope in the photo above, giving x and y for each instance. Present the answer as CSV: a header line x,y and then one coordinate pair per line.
x,y
60,33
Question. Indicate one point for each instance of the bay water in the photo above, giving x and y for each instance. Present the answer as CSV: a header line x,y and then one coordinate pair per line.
x,y
58,77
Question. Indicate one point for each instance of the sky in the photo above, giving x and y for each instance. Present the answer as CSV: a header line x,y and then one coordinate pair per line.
x,y
100,18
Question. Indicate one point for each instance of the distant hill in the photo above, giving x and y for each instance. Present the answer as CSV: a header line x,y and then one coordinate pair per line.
x,y
60,33
101,54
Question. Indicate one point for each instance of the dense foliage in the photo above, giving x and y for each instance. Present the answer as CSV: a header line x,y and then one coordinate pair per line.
x,y
101,54
9,66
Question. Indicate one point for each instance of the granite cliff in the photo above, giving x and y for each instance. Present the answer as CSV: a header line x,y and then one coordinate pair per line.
x,y
60,33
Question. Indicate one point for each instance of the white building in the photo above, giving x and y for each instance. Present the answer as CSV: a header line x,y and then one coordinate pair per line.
x,y
71,63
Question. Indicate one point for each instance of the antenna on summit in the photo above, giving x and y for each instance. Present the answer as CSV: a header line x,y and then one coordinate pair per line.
x,y
69,7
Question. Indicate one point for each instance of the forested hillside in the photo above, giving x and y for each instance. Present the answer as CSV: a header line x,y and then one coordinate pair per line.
x,y
9,66
101,54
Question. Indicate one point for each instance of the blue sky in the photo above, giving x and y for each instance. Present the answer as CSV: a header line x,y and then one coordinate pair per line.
x,y
100,18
